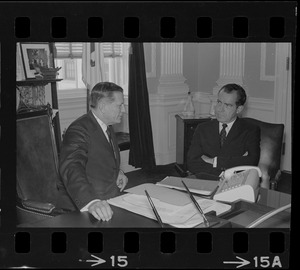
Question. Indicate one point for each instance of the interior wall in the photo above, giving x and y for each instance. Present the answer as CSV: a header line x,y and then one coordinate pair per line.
x,y
201,62
152,63
257,86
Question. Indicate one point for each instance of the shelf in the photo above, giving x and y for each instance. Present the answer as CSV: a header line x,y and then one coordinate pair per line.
x,y
33,112
36,82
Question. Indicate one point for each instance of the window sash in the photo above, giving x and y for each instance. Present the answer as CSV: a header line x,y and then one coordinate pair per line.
x,y
112,49
68,50
74,49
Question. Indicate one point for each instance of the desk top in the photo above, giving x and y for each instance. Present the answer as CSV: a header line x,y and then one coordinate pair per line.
x,y
241,213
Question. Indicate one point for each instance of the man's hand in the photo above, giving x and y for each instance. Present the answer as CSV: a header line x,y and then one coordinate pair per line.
x,y
122,181
101,210
208,159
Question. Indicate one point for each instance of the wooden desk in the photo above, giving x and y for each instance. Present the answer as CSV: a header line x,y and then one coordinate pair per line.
x,y
125,219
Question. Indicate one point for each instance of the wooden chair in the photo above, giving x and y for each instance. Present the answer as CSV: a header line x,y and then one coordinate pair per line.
x,y
270,155
37,168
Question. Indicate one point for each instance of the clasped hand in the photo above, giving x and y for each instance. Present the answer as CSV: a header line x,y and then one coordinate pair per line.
x,y
211,160
122,181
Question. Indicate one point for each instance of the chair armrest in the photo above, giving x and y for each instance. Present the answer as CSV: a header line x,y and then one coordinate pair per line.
x,y
46,208
274,181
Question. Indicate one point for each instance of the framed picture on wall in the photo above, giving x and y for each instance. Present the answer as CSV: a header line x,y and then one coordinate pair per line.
x,y
34,55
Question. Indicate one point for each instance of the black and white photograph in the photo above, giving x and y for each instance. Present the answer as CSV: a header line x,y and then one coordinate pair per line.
x,y
156,135
147,135
34,56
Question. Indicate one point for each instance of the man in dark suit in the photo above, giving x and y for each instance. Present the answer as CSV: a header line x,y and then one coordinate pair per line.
x,y
90,158
226,141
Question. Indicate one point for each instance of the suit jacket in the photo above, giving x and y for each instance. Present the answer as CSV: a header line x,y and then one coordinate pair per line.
x,y
88,167
243,137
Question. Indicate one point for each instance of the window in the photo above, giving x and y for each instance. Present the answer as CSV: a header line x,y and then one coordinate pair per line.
x,y
70,70
68,57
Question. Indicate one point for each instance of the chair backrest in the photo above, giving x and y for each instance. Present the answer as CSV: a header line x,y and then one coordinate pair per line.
x,y
37,159
270,145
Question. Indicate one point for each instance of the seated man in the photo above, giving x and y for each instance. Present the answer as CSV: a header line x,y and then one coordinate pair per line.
x,y
226,141
90,158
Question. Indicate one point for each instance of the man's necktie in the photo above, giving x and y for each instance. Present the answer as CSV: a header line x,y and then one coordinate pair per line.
x,y
110,140
223,135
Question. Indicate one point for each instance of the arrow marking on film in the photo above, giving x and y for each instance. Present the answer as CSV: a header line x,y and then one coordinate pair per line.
x,y
242,262
96,261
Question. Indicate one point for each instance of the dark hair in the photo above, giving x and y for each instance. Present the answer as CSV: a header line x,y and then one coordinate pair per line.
x,y
228,88
103,90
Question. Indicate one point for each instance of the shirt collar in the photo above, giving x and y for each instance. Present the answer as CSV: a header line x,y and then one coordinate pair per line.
x,y
101,123
229,125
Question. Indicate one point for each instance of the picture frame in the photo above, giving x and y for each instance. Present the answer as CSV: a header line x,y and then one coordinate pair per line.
x,y
34,55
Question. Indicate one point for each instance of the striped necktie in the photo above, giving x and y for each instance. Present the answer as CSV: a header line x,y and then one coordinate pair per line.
x,y
223,135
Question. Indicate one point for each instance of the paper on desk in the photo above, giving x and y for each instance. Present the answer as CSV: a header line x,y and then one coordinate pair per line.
x,y
164,194
185,216
199,186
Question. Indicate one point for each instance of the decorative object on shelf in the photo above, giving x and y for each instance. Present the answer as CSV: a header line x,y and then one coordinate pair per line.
x,y
38,61
46,73
189,109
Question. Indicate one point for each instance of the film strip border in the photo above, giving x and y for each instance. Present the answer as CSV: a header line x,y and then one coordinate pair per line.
x,y
168,27
161,21
150,249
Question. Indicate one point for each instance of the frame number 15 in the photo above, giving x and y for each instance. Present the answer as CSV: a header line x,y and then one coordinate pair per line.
x,y
120,261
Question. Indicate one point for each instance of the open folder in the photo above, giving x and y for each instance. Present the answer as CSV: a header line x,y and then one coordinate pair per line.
x,y
199,186
174,207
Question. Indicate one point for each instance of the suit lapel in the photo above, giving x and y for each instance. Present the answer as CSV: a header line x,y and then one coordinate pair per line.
x,y
99,129
214,131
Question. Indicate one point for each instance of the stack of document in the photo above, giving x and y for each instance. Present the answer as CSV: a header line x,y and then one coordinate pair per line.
x,y
205,187
174,207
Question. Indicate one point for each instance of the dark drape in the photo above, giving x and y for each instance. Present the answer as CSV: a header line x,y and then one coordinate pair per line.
x,y
141,154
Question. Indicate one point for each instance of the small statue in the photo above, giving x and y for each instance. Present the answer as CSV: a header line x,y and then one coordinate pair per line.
x,y
189,109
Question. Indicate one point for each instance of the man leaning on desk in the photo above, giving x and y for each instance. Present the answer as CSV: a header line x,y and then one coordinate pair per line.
x,y
226,141
90,157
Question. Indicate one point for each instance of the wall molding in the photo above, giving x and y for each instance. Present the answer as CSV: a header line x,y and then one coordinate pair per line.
x,y
152,72
167,100
263,58
261,104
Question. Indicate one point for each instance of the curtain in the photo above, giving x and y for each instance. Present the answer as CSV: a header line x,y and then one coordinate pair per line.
x,y
141,154
92,66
